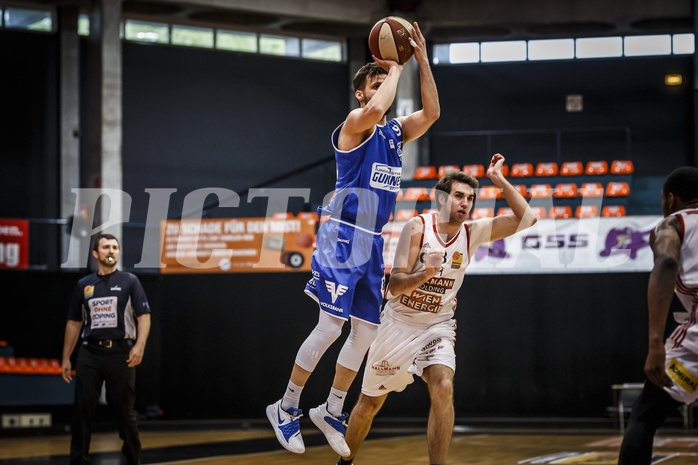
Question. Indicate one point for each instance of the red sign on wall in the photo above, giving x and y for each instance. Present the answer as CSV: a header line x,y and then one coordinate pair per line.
x,y
14,244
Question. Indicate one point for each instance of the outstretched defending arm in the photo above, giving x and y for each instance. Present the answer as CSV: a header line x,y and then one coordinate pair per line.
x,y
522,216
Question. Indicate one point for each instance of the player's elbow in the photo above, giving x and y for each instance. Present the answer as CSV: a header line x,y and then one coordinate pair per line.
x,y
528,219
374,112
667,264
432,114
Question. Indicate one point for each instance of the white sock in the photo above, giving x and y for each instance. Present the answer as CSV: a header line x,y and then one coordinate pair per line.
x,y
292,396
335,401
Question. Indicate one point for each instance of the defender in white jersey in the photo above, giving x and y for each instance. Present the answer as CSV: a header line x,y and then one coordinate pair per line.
x,y
671,366
418,330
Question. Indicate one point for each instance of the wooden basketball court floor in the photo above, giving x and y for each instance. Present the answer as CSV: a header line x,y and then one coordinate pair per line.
x,y
255,444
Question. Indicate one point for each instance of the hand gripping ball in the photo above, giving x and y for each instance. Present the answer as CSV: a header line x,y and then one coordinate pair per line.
x,y
389,39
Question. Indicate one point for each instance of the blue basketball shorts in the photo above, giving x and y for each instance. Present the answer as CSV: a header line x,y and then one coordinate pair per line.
x,y
348,272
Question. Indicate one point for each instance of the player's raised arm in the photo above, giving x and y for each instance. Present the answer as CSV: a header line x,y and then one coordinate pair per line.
x,y
416,124
522,216
375,98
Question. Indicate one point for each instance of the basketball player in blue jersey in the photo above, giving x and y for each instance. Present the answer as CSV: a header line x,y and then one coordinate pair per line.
x,y
418,328
672,365
347,265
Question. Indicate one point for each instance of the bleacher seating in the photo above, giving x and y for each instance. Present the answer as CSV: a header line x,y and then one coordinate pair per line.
x,y
617,189
416,194
443,169
540,191
548,169
565,190
572,168
425,172
539,211
541,183
596,168
622,167
489,192
591,189
477,171
560,212
29,366
612,210
404,214
586,211
481,212
521,170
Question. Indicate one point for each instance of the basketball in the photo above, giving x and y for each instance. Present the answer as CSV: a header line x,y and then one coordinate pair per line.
x,y
389,39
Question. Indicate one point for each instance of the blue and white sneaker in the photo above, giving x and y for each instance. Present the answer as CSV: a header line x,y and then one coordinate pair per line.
x,y
287,426
334,428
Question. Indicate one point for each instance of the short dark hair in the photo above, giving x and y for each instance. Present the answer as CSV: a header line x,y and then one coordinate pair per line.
x,y
446,182
367,71
95,244
683,182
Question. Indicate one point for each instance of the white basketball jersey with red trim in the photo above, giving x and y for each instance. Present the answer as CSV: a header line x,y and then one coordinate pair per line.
x,y
434,301
686,289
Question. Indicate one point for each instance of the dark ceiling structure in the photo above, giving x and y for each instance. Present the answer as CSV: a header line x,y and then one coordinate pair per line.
x,y
442,20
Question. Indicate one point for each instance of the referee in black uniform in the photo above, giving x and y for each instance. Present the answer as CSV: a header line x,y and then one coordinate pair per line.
x,y
111,309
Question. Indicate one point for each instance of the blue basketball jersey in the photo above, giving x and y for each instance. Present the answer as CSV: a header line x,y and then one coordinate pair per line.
x,y
368,178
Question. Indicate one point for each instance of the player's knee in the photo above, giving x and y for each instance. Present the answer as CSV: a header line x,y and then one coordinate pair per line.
x,y
369,406
442,389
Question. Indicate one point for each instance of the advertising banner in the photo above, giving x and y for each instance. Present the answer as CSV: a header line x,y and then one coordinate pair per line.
x,y
14,244
587,245
239,245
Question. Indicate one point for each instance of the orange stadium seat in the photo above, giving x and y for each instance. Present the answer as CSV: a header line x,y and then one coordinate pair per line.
x,y
404,214
540,191
565,190
504,211
617,189
586,211
521,170
482,212
443,169
591,189
505,170
22,366
4,364
416,194
560,211
425,172
571,168
622,167
612,210
539,211
596,167
489,192
546,169
476,171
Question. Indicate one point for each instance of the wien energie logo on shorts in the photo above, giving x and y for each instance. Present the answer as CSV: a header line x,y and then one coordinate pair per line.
x,y
682,376
385,177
